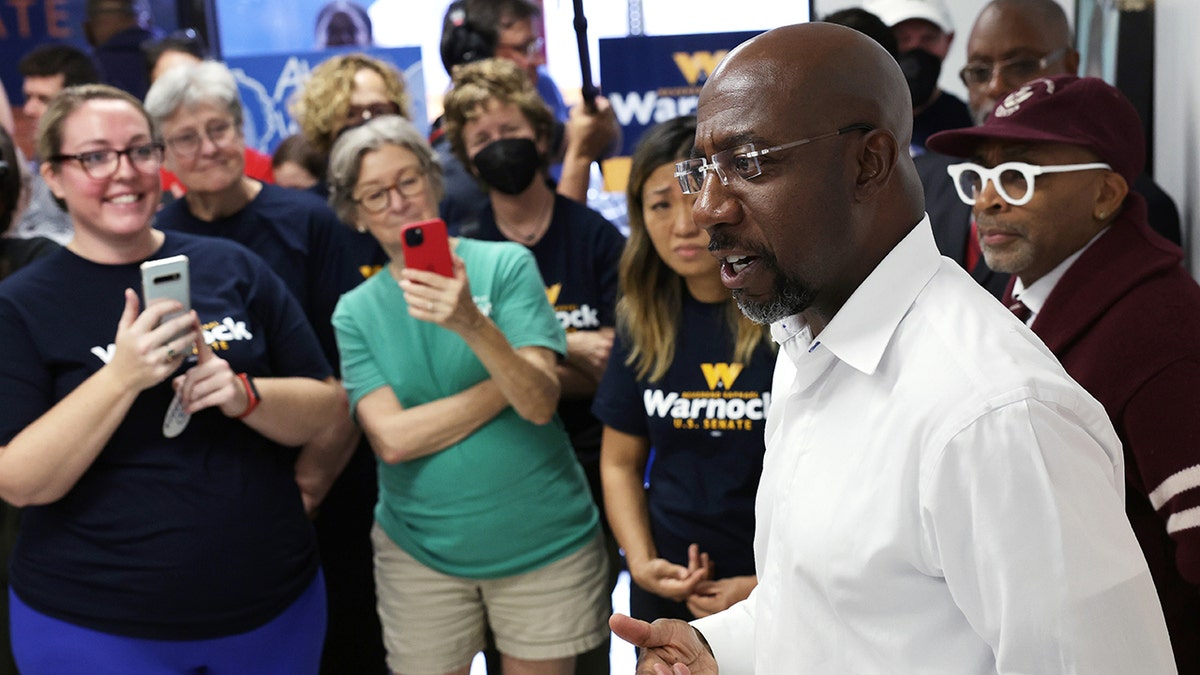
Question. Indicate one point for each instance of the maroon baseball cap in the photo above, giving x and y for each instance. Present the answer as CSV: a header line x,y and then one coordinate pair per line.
x,y
1084,111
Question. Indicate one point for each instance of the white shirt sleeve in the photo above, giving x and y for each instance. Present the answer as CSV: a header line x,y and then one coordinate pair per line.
x,y
1023,489
730,633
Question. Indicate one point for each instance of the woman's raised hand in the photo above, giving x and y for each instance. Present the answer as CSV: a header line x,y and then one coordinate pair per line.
x,y
445,301
146,352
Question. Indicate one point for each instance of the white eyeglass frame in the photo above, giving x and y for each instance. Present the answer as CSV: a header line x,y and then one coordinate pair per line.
x,y
1028,171
686,169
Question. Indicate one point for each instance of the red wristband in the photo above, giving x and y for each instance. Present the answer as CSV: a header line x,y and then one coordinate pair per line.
x,y
252,397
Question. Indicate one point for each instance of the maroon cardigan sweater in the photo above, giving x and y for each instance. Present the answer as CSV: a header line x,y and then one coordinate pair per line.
x,y
1125,323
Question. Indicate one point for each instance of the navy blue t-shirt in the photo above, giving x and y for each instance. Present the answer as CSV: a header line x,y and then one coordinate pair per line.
x,y
946,112
197,536
301,238
705,420
578,258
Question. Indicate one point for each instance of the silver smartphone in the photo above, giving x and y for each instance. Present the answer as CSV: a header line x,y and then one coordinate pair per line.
x,y
167,278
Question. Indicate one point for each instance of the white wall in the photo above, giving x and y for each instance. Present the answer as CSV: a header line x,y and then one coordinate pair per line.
x,y
1177,114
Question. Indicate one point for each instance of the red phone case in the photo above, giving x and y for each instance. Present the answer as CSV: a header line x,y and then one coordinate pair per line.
x,y
427,247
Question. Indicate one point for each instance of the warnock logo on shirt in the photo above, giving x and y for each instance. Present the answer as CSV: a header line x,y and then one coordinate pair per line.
x,y
572,317
217,334
719,408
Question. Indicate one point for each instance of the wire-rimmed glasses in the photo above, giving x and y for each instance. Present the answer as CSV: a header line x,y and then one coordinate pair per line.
x,y
409,185
187,144
1013,72
741,161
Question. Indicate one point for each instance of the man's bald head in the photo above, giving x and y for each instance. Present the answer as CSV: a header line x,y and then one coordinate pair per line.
x,y
824,115
1047,14
827,72
1033,35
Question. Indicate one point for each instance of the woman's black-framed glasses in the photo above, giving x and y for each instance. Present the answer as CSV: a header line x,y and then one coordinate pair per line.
x,y
100,164
360,114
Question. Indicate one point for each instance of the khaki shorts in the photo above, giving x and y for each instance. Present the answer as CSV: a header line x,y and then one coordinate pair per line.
x,y
434,623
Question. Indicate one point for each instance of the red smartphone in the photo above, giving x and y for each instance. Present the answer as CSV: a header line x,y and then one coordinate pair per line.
x,y
426,246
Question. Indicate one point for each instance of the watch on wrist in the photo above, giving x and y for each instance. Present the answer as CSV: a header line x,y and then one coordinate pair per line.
x,y
252,397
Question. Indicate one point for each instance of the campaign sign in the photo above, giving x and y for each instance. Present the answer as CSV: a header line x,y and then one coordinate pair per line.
x,y
25,24
651,79
267,84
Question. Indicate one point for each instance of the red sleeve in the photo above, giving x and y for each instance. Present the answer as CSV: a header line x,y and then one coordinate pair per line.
x,y
258,166
170,182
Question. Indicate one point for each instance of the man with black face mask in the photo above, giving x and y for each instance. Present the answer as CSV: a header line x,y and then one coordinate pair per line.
x,y
923,31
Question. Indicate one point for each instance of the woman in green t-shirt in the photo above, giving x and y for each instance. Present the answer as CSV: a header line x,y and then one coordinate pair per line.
x,y
484,519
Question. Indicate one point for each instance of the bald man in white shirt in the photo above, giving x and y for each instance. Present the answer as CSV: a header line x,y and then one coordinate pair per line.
x,y
937,494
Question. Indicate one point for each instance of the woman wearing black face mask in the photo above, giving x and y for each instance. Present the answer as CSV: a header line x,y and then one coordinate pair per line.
x,y
500,129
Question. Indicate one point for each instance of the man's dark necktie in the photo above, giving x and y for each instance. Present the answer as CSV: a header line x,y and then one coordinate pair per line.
x,y
1020,310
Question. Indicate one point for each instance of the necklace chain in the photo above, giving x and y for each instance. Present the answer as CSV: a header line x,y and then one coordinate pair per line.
x,y
527,239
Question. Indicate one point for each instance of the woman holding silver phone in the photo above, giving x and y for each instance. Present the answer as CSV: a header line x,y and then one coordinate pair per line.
x,y
163,530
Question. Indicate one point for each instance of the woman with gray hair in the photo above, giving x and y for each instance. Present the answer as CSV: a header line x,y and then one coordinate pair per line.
x,y
199,113
484,518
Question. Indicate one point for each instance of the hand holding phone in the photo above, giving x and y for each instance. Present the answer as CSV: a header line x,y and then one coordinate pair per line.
x,y
168,279
426,246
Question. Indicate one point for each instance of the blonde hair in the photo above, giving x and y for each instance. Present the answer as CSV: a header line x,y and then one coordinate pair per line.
x,y
67,101
651,304
480,82
320,108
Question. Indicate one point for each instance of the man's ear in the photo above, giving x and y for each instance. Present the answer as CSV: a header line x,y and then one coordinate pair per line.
x,y
1071,61
1111,194
876,160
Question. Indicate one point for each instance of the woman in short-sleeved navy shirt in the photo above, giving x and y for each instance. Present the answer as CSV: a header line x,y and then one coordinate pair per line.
x,y
163,528
690,377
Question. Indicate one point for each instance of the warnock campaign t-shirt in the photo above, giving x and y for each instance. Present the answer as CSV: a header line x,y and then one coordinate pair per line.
x,y
188,537
705,420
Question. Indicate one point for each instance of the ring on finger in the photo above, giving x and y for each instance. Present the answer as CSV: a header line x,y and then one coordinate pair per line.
x,y
171,354
432,304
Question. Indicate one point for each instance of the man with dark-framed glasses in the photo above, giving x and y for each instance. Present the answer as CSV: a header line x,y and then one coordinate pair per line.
x,y
1048,178
937,495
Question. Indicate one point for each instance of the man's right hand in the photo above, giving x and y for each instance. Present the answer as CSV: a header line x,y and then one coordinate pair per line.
x,y
666,647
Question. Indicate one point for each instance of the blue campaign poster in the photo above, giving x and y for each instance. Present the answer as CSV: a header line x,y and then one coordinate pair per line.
x,y
25,24
268,82
650,79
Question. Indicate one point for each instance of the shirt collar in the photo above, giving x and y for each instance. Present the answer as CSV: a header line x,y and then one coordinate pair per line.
x,y
1034,296
861,330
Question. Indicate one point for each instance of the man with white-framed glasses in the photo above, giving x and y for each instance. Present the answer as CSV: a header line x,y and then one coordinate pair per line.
x,y
1048,178
1011,42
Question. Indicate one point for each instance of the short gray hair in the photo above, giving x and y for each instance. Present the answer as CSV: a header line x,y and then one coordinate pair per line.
x,y
345,159
191,85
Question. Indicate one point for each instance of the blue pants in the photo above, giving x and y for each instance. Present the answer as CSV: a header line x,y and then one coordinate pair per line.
x,y
290,644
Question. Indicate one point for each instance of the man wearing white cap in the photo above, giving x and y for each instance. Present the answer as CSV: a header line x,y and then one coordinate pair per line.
x,y
924,31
